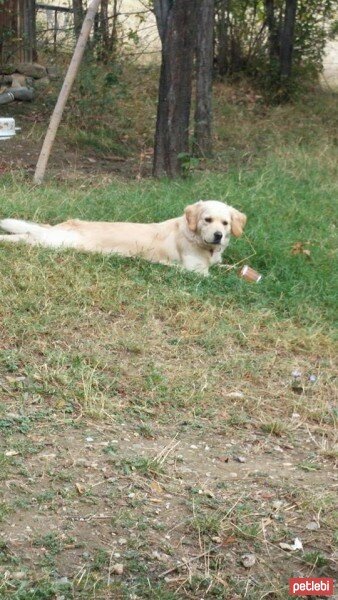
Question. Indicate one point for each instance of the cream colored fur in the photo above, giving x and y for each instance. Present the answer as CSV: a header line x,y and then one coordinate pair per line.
x,y
195,241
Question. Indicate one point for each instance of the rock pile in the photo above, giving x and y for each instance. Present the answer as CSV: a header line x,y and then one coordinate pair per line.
x,y
19,82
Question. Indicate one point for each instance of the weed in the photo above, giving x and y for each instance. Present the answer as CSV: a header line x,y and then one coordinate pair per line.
x,y
316,559
188,163
40,590
50,541
309,466
110,449
145,430
277,428
143,465
4,466
100,559
207,524
4,510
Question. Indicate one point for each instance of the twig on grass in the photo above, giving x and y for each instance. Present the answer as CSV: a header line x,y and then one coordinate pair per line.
x,y
185,563
243,260
232,507
110,565
164,453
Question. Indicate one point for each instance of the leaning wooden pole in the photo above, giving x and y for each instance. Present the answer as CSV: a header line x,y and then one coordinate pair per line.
x,y
65,91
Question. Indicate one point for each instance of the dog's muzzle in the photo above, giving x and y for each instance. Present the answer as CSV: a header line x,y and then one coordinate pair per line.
x,y
217,237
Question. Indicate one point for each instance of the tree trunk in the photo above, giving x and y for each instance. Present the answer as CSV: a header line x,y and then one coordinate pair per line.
x,y
176,20
273,29
29,31
113,35
287,40
223,39
78,16
104,31
204,67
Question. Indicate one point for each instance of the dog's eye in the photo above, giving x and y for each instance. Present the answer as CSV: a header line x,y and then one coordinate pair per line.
x,y
208,219
225,222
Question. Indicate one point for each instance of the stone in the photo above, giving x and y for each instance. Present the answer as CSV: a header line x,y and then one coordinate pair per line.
x,y
7,69
313,526
32,70
240,459
117,568
122,541
53,72
19,575
248,560
18,80
41,84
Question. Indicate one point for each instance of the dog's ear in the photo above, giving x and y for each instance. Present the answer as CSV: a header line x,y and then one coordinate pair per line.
x,y
191,214
238,221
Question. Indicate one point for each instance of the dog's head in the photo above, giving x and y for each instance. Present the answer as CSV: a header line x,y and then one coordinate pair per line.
x,y
213,222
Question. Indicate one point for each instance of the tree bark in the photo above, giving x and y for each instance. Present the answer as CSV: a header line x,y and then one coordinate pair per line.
x,y
29,31
113,35
204,68
104,31
273,35
287,40
223,39
78,16
176,20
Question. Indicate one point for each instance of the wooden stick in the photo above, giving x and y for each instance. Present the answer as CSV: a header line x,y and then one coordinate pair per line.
x,y
65,91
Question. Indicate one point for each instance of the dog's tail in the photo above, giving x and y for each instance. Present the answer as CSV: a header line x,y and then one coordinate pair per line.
x,y
18,226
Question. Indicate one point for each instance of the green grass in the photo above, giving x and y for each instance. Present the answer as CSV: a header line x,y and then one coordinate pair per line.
x,y
107,306
286,202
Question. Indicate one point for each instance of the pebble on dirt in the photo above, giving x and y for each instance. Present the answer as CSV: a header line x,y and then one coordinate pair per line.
x,y
248,560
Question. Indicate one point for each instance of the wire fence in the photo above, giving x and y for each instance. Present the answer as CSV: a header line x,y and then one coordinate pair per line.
x,y
135,31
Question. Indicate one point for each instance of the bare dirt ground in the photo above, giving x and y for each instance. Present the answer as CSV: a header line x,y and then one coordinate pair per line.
x,y
103,505
21,153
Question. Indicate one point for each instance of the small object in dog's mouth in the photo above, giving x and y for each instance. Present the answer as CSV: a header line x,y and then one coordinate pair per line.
x,y
249,274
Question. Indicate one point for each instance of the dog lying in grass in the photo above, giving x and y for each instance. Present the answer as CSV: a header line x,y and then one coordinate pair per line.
x,y
195,240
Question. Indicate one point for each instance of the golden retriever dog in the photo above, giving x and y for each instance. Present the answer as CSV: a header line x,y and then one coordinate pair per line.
x,y
194,241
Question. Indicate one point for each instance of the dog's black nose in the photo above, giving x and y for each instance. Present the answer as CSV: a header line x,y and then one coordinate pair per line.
x,y
218,236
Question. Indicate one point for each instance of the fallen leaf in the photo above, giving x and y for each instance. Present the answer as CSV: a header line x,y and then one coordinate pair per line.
x,y
216,539
297,545
285,546
299,248
80,488
156,488
228,540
